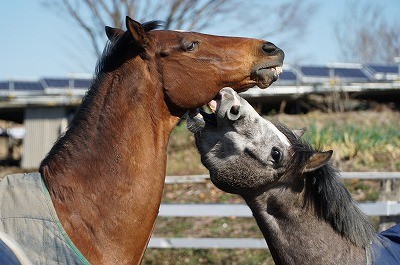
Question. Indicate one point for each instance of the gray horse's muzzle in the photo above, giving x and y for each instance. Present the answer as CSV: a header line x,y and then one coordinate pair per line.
x,y
230,105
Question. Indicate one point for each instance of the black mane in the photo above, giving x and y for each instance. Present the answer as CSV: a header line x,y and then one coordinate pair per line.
x,y
330,199
112,53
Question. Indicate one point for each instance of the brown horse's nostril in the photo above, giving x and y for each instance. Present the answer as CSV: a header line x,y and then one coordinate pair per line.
x,y
269,48
234,110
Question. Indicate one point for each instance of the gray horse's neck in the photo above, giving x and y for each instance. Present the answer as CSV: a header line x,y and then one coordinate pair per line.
x,y
295,234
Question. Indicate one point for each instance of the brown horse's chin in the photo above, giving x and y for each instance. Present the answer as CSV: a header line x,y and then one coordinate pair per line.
x,y
246,87
265,77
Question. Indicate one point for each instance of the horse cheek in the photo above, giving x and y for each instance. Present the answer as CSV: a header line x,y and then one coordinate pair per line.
x,y
190,88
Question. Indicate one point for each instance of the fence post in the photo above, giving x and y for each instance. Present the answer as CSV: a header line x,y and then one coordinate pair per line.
x,y
390,192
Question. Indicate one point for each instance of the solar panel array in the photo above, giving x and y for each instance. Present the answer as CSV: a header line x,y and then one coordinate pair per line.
x,y
384,72
66,83
344,73
341,72
306,74
45,83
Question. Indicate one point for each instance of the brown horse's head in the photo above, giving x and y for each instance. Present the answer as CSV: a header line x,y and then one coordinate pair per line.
x,y
192,67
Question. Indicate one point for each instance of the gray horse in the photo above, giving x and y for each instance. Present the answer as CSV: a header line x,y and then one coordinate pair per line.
x,y
304,212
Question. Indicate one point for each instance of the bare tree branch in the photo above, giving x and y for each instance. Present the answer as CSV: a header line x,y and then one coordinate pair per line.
x,y
73,12
364,36
288,18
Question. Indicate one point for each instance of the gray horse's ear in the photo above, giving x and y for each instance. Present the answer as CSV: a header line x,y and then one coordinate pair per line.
x,y
299,133
317,160
137,32
113,33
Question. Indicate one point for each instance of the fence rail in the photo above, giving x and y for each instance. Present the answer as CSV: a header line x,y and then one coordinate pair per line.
x,y
208,243
380,208
343,175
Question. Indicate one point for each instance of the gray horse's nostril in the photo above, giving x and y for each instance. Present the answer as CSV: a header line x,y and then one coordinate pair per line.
x,y
234,113
235,109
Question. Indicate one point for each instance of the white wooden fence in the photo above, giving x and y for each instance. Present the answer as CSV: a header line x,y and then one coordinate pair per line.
x,y
380,208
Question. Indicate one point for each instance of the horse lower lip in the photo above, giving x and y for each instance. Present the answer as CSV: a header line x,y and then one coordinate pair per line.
x,y
198,119
265,77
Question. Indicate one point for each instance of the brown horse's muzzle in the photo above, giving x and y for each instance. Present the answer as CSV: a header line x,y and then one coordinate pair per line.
x,y
268,71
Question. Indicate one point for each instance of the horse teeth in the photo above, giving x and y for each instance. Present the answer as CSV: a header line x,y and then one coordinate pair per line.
x,y
207,109
210,107
213,105
277,69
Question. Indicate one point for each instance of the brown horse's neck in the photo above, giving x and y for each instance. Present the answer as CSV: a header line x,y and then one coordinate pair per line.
x,y
106,174
295,234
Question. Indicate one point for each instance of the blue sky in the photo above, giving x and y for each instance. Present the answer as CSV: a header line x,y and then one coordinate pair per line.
x,y
36,43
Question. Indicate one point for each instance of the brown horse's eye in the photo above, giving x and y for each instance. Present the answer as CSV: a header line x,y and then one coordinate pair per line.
x,y
276,154
191,46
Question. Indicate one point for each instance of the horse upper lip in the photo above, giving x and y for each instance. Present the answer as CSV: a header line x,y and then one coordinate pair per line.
x,y
271,67
268,66
265,74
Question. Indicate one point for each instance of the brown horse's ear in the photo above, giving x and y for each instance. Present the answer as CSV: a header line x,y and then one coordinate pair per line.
x,y
137,32
113,33
299,133
317,160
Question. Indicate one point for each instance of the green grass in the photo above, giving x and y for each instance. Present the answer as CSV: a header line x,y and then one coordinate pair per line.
x,y
363,138
361,141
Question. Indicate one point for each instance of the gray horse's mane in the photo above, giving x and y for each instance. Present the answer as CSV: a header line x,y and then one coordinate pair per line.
x,y
324,191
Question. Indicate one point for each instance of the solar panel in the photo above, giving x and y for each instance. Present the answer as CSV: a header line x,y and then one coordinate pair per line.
x,y
82,83
4,86
56,82
288,75
386,69
315,71
27,86
355,73
383,72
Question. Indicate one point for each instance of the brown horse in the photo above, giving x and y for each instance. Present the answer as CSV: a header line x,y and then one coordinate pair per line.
x,y
106,174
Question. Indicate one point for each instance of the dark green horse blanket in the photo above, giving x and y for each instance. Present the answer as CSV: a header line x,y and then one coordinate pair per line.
x,y
28,216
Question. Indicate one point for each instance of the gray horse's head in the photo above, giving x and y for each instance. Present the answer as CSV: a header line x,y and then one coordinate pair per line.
x,y
242,150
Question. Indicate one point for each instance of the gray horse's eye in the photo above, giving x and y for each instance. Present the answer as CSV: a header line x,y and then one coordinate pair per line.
x,y
276,154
